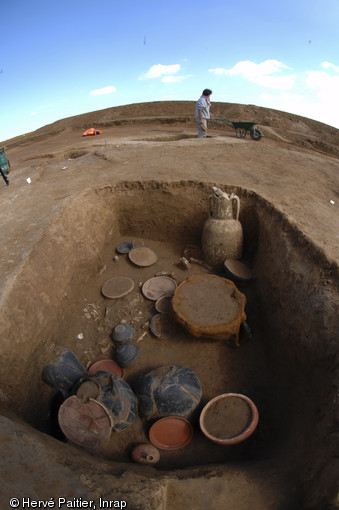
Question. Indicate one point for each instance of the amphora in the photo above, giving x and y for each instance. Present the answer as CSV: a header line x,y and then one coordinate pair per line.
x,y
222,235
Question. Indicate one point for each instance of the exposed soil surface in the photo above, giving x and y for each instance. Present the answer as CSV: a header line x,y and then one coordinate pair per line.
x,y
147,179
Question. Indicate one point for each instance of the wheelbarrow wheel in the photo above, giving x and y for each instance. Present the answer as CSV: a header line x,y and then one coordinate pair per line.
x,y
256,134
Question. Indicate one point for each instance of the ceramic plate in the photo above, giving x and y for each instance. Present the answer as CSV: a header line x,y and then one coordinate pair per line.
x,y
143,256
117,287
171,433
159,286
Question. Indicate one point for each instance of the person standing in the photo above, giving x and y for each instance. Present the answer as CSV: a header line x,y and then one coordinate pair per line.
x,y
202,112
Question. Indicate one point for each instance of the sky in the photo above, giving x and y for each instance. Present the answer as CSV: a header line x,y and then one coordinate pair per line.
x,y
64,58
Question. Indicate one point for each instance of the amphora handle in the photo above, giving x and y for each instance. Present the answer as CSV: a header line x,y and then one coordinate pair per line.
x,y
236,198
210,204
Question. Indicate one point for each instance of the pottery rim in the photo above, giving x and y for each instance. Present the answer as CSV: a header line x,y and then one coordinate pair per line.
x,y
115,368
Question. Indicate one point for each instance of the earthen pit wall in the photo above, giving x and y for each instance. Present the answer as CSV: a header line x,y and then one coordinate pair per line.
x,y
299,291
68,250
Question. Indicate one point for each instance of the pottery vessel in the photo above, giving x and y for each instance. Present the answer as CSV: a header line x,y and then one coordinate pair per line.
x,y
126,353
113,393
168,390
229,418
171,433
122,333
222,235
64,371
86,424
146,454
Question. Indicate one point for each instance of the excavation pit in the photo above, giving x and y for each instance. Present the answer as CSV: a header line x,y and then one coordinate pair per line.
x,y
285,364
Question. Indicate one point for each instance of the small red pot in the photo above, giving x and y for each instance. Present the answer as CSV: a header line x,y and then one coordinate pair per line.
x,y
146,454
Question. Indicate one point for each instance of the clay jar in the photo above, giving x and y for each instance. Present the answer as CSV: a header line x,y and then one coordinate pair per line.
x,y
145,454
126,352
64,371
222,235
122,334
168,390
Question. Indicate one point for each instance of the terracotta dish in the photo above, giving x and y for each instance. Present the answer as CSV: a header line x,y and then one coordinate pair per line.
x,y
117,287
171,433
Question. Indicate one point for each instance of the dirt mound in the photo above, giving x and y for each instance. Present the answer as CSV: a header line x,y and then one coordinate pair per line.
x,y
294,129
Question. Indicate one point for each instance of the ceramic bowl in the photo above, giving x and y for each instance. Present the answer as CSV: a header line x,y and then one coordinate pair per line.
x,y
163,304
237,271
123,333
125,247
229,418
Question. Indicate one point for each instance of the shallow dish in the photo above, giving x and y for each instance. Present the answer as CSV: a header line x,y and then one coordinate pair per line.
x,y
158,287
117,287
143,256
125,246
171,433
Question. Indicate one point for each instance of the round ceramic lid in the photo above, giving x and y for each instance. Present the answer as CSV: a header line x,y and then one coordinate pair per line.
x,y
159,286
117,287
171,433
85,424
106,365
142,256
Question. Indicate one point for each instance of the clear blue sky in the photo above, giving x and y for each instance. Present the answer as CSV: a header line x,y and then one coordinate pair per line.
x,y
63,58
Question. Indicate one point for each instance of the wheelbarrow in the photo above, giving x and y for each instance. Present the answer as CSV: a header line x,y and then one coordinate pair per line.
x,y
241,128
4,166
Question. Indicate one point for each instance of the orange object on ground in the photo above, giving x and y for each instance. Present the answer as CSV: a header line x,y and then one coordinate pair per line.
x,y
92,131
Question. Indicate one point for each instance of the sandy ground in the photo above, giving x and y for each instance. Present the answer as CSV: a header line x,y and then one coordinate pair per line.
x,y
294,168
